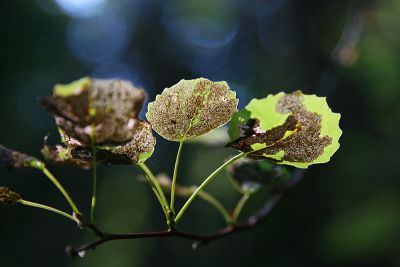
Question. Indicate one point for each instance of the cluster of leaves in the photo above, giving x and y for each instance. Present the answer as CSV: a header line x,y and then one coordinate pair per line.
x,y
293,129
98,124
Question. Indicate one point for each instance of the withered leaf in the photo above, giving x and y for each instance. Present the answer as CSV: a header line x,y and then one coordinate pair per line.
x,y
138,149
14,159
293,129
248,176
74,153
191,108
61,155
8,197
100,114
96,111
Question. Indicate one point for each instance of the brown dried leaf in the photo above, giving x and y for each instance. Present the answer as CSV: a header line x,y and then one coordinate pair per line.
x,y
61,155
8,197
101,114
14,159
138,149
103,109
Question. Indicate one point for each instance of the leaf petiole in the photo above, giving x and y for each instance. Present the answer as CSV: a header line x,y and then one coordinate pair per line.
x,y
239,206
157,191
45,207
41,167
173,185
204,184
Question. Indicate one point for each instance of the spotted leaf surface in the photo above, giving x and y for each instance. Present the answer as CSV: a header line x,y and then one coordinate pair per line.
x,y
102,114
103,110
191,108
293,129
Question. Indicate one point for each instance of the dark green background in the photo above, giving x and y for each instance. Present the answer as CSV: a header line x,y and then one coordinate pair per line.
x,y
345,213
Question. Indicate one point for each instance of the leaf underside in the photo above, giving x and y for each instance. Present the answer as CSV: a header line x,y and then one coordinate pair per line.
x,y
191,108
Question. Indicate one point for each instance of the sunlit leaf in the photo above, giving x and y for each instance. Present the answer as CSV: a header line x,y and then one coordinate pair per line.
x,y
191,108
292,129
248,176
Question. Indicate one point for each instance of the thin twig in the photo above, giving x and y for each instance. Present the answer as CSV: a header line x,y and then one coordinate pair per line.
x,y
199,240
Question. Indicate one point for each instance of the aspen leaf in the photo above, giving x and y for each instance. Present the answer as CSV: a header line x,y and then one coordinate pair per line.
x,y
293,129
100,114
191,108
95,110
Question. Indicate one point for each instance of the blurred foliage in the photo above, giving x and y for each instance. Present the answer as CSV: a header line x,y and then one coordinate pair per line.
x,y
344,213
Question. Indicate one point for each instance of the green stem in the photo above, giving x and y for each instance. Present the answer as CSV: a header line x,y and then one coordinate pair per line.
x,y
164,205
204,184
94,190
239,206
155,185
216,204
178,157
54,180
44,207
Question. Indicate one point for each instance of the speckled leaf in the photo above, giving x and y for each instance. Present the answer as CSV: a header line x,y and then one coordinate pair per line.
x,y
138,149
191,108
292,129
102,110
99,113
248,176
74,153
61,155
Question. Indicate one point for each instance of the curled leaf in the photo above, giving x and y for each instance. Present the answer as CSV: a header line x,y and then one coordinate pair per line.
x,y
101,115
8,197
191,108
61,155
248,176
293,129
74,153
95,110
12,159
138,149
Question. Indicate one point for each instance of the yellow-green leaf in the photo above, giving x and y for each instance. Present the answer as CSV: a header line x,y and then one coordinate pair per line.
x,y
293,129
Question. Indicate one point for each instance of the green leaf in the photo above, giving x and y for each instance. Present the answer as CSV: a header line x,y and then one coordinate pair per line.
x,y
293,129
248,176
191,108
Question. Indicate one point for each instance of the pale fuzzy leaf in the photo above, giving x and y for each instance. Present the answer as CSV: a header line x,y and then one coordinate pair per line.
x,y
191,108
